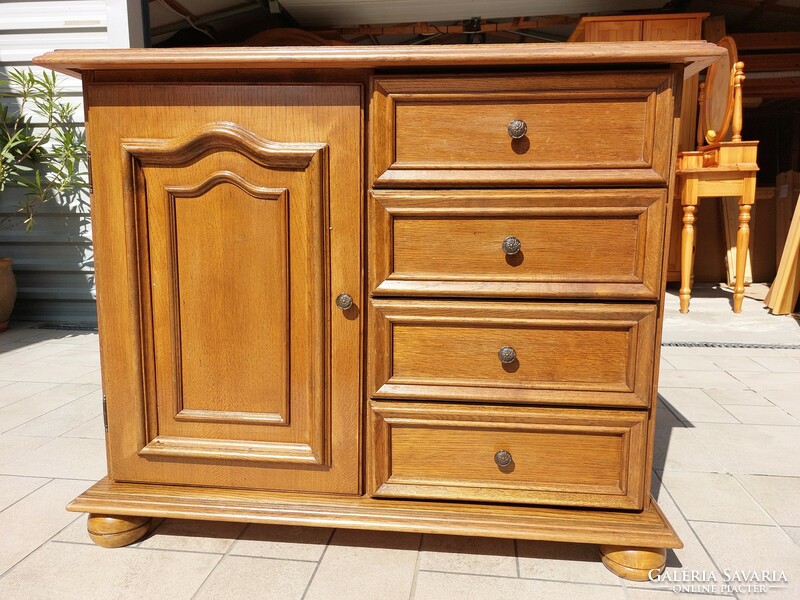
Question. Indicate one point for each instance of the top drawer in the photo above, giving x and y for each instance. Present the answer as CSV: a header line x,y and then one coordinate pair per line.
x,y
582,129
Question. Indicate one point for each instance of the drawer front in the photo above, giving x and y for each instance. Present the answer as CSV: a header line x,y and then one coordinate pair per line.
x,y
578,244
568,457
572,354
582,129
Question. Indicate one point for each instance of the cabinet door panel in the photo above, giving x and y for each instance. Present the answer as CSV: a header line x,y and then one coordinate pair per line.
x,y
241,219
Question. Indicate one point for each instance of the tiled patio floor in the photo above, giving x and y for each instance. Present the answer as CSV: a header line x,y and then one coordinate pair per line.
x,y
727,468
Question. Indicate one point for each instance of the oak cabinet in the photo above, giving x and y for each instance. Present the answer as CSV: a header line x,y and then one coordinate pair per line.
x,y
416,289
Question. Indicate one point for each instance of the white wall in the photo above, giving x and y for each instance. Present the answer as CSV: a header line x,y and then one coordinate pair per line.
x,y
54,263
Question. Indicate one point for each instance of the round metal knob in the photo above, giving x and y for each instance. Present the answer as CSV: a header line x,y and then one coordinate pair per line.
x,y
344,301
517,129
507,355
511,245
503,458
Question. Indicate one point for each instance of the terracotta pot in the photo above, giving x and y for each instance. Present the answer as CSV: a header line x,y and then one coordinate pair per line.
x,y
8,292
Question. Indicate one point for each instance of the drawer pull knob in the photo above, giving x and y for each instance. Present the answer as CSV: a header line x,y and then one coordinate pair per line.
x,y
503,458
344,301
511,245
507,355
517,129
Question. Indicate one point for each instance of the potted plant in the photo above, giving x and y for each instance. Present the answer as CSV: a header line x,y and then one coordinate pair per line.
x,y
40,152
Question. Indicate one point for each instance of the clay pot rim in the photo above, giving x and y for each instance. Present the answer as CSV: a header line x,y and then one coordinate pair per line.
x,y
6,262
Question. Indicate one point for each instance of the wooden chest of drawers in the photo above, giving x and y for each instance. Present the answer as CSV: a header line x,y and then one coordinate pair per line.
x,y
399,288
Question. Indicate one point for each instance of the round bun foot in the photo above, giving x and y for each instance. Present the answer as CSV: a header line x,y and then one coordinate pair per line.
x,y
115,531
636,564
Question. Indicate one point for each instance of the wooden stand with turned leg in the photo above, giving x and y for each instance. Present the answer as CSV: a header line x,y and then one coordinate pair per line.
x,y
687,255
719,170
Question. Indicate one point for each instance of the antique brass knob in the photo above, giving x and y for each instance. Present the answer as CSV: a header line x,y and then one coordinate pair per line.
x,y
507,355
517,129
344,301
511,245
503,458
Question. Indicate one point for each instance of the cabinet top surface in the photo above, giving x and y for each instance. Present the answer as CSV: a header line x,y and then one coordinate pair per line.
x,y
695,54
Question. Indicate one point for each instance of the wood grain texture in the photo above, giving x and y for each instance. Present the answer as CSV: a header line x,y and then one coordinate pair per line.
x,y
697,55
636,564
116,531
575,244
566,457
220,357
570,354
453,130
588,526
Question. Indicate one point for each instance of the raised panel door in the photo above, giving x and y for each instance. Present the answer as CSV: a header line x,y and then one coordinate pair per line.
x,y
243,220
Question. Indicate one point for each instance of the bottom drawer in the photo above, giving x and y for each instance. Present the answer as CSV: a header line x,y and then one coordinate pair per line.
x,y
567,457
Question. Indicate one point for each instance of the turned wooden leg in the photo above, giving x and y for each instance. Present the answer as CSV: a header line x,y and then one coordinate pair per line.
x,y
742,243
687,255
114,531
636,564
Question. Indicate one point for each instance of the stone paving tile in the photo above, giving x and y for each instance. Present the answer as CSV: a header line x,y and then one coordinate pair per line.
x,y
65,418
752,449
746,397
13,489
94,428
14,391
737,363
794,533
43,371
463,554
693,405
692,363
762,382
713,497
193,536
38,353
13,447
67,458
765,549
81,357
365,565
701,379
763,415
282,541
578,563
89,377
88,572
451,586
244,577
780,496
779,364
75,532
27,409
788,400
677,448
33,520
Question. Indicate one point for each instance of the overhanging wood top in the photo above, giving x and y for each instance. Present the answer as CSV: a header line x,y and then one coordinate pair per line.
x,y
695,55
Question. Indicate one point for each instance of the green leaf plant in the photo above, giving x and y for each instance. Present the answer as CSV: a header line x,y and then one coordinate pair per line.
x,y
41,147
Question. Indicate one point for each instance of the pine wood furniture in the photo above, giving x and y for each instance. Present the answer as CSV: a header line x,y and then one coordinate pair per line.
x,y
718,168
416,289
